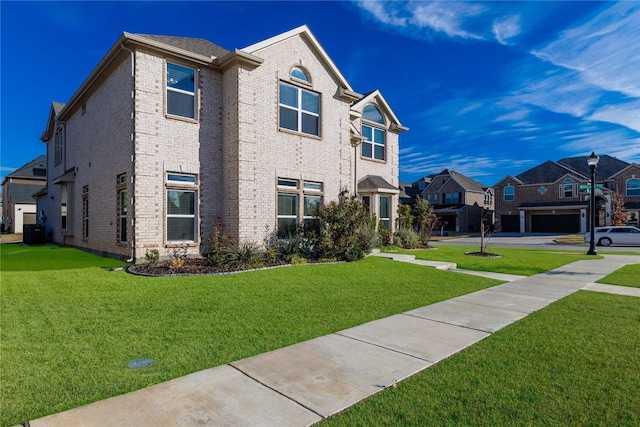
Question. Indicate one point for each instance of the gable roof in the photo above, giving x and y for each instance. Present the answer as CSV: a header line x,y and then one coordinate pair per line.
x,y
545,173
549,171
607,166
198,46
395,122
465,182
36,168
304,31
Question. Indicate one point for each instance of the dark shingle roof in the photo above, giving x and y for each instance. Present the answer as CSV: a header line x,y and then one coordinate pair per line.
x,y
467,183
23,193
199,46
549,171
544,173
375,182
33,169
607,166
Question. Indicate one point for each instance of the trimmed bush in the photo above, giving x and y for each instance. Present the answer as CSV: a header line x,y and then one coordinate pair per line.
x,y
406,238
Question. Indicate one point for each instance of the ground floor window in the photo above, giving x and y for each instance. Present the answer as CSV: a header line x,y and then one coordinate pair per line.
x,y
181,220
85,212
63,207
385,211
181,215
122,216
291,193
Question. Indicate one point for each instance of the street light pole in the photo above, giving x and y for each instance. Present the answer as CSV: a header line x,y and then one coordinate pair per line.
x,y
592,161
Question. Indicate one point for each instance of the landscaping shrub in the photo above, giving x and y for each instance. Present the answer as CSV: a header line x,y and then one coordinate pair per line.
x,y
345,233
241,256
152,255
406,238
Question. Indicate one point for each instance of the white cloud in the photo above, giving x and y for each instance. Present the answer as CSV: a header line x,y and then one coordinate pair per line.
x,y
603,51
445,17
506,28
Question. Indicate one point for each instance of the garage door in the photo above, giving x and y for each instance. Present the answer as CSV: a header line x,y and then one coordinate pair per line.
x,y
450,222
510,223
569,223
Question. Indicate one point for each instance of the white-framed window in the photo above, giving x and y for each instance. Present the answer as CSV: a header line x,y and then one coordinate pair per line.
x,y
85,212
633,187
181,91
373,146
509,193
181,208
299,202
299,109
122,206
64,200
385,211
567,189
58,146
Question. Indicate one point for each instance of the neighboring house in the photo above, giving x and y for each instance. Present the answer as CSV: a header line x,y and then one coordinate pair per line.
x,y
169,134
18,190
554,196
458,200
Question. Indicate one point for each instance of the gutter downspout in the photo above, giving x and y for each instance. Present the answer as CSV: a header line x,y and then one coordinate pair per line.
x,y
133,153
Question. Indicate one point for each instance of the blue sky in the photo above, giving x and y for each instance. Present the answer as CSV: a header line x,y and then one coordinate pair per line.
x,y
488,89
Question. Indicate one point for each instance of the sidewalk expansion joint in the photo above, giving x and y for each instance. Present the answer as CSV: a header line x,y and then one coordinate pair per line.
x,y
276,391
450,324
385,348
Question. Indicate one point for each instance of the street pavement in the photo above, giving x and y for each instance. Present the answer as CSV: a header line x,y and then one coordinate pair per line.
x,y
307,382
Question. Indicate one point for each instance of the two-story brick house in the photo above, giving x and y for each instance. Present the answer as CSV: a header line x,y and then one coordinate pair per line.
x,y
169,134
18,189
555,196
459,201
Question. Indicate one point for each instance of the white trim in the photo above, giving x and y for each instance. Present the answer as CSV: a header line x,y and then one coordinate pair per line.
x,y
302,30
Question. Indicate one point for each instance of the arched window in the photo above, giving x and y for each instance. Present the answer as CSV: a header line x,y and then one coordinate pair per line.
x,y
373,147
372,114
633,187
298,73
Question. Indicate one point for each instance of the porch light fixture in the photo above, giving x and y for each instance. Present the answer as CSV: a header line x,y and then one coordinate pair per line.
x,y
592,161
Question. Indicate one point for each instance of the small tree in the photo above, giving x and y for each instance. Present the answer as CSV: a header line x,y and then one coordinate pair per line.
x,y
619,214
426,219
485,228
405,217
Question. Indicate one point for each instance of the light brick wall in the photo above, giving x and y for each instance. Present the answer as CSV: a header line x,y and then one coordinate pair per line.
x,y
98,145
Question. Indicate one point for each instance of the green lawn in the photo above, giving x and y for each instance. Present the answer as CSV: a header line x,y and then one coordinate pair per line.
x,y
573,363
629,275
66,334
523,262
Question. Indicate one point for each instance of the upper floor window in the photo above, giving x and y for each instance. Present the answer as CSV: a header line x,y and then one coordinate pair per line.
x,y
299,109
373,147
299,73
58,147
488,199
633,187
566,190
181,91
509,193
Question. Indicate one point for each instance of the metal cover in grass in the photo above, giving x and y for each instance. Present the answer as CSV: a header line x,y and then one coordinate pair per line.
x,y
140,363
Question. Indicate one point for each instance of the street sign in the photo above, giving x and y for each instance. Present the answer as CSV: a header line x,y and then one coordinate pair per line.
x,y
587,187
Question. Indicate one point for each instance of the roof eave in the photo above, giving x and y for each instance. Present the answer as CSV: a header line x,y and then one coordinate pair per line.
x,y
238,57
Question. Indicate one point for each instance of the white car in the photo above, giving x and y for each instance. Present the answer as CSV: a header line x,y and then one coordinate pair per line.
x,y
615,235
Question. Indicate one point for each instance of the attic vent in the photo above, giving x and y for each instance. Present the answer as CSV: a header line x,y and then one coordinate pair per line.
x,y
39,172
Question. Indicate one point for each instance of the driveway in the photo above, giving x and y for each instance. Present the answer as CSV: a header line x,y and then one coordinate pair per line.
x,y
530,240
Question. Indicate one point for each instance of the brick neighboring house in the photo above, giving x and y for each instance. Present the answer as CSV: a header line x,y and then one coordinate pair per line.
x,y
456,199
18,190
167,134
554,196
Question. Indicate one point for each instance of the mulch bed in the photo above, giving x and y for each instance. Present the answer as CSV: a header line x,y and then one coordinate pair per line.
x,y
191,267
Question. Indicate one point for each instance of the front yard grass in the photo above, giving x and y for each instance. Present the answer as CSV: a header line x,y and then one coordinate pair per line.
x,y
629,275
68,327
573,363
522,262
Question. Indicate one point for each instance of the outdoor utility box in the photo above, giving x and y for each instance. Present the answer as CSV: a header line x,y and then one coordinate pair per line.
x,y
33,234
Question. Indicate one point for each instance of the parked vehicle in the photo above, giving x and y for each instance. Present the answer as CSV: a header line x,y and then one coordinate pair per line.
x,y
615,235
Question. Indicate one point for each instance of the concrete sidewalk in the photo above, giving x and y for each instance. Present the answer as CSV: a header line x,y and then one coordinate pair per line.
x,y
307,382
